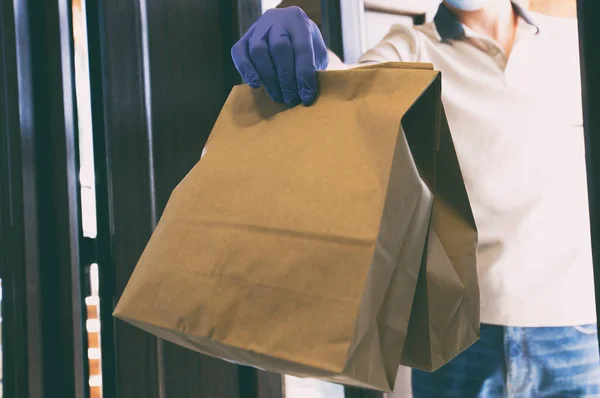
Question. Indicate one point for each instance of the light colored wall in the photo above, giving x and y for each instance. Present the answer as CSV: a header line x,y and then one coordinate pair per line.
x,y
378,24
267,4
559,8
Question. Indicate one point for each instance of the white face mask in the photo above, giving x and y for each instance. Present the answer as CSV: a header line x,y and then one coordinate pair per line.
x,y
470,5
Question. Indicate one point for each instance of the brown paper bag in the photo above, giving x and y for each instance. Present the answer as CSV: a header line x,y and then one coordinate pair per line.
x,y
334,241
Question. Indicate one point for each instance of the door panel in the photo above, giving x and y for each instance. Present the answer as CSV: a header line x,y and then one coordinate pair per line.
x,y
164,73
125,200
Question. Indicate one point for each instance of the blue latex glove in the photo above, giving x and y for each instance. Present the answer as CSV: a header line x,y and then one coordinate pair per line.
x,y
282,51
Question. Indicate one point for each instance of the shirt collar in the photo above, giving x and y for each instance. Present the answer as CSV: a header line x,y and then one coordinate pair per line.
x,y
450,28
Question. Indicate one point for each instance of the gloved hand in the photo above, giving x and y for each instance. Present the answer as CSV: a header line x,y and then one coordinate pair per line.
x,y
283,51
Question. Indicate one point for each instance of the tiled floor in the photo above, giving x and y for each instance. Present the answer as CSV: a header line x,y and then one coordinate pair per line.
x,y
309,388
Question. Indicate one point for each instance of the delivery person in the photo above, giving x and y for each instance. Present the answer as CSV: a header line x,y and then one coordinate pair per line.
x,y
512,95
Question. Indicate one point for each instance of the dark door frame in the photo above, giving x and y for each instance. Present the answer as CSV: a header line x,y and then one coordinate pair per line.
x,y
588,15
22,357
43,307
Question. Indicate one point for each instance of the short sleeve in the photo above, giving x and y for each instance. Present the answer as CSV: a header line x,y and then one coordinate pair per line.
x,y
401,44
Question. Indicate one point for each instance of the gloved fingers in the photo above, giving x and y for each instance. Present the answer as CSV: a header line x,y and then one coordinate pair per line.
x,y
282,54
321,54
241,59
304,57
258,49
282,51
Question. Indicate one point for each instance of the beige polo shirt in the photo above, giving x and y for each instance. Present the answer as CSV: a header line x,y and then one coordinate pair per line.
x,y
517,127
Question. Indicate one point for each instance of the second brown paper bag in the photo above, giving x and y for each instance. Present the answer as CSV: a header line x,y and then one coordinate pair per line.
x,y
334,241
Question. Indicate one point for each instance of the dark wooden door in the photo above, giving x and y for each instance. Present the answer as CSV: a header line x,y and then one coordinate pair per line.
x,y
160,73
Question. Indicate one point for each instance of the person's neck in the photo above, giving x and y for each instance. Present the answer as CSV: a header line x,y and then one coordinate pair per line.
x,y
498,21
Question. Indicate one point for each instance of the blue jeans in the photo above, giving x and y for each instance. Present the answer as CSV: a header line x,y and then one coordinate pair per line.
x,y
559,362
